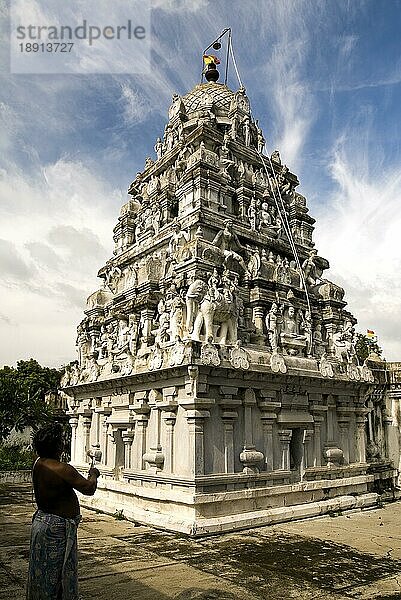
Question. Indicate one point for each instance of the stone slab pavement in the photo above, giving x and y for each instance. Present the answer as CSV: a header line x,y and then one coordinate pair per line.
x,y
354,555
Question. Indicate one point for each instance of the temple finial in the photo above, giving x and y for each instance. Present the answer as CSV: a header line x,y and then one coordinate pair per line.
x,y
210,71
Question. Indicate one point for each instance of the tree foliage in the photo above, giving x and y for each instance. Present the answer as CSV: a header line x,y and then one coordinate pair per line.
x,y
22,395
365,346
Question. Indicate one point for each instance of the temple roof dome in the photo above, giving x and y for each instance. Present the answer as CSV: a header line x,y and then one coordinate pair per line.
x,y
206,93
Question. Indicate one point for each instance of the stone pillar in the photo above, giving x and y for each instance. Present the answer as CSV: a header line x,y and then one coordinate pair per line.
x,y
139,407
258,321
285,438
74,424
147,320
228,418
86,427
229,403
331,406
360,435
98,409
318,410
111,433
308,450
343,425
371,432
154,456
104,445
249,402
104,411
268,447
128,438
168,406
268,408
331,328
250,457
169,418
140,444
317,441
196,419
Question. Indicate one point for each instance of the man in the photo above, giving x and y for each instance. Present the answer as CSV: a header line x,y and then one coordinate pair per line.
x,y
53,554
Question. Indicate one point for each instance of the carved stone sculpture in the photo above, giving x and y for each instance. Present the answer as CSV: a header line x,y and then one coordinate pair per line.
x,y
274,324
227,242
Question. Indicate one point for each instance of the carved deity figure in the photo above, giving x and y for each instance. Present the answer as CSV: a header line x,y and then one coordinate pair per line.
x,y
309,269
226,240
175,304
318,343
261,139
276,157
285,186
241,99
156,218
158,148
168,138
252,214
282,273
111,338
291,326
307,329
129,208
254,264
123,334
274,323
83,344
175,106
265,219
179,239
225,161
101,347
214,284
131,276
162,332
134,333
149,162
290,323
113,278
344,343
247,131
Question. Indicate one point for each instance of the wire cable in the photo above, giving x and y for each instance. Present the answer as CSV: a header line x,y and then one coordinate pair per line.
x,y
235,64
281,211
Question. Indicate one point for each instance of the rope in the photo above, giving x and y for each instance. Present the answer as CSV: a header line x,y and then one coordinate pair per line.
x,y
281,211
235,62
287,228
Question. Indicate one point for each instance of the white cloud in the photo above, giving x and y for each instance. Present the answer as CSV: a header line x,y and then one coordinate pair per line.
x,y
56,231
358,231
135,109
288,31
12,265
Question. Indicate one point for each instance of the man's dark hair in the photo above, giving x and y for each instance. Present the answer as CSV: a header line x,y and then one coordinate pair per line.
x,y
48,440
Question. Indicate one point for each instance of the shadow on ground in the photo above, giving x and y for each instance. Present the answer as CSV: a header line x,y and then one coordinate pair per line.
x,y
270,566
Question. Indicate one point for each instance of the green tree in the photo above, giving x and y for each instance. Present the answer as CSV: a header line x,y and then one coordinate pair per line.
x,y
365,346
22,395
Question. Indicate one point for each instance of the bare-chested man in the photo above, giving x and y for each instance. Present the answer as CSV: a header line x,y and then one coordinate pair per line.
x,y
53,555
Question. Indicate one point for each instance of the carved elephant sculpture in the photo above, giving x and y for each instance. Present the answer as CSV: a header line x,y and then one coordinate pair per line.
x,y
218,310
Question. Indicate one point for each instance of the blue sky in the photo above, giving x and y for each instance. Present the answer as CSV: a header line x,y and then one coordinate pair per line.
x,y
324,80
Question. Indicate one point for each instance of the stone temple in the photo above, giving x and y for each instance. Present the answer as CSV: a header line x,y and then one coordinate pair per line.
x,y
217,370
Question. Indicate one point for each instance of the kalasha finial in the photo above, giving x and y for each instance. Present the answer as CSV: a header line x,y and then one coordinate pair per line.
x,y
210,71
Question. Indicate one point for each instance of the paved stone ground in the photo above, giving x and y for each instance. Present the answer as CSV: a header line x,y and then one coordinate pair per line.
x,y
354,555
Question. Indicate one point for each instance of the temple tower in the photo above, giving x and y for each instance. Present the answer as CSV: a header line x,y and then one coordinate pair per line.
x,y
217,369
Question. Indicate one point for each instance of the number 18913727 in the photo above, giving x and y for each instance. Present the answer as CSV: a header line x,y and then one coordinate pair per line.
x,y
46,47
